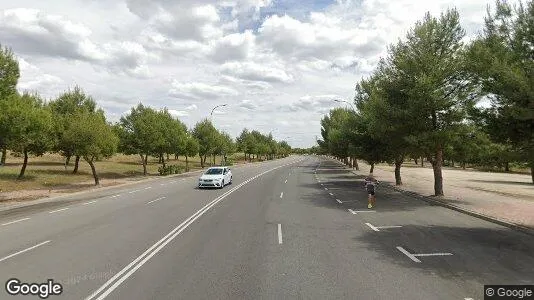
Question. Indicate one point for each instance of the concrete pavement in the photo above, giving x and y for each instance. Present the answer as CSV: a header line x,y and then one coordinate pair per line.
x,y
275,233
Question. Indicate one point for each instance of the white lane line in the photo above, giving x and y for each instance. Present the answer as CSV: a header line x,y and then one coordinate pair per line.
x,y
134,191
160,198
352,211
279,233
432,254
363,211
154,249
16,221
326,189
22,251
285,181
115,196
408,254
58,210
147,188
468,299
372,227
162,184
331,194
90,202
386,227
282,195
339,201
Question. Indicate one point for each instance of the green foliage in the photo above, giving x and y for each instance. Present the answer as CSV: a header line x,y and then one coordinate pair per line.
x,y
502,60
9,73
170,169
92,137
65,110
29,124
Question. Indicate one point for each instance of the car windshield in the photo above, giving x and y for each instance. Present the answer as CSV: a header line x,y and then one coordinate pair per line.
x,y
214,171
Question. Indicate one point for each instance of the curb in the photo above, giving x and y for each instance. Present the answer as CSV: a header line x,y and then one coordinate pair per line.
x,y
521,228
16,205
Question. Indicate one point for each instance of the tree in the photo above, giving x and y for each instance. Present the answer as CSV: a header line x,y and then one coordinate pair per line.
x,y
30,125
428,68
207,136
139,133
502,60
65,108
191,149
9,76
92,138
228,146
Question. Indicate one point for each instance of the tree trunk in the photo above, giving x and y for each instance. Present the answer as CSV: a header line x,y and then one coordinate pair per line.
x,y
356,166
532,171
422,162
506,167
95,176
162,159
76,163
4,156
67,160
186,164
452,163
438,176
416,161
175,156
168,157
398,164
24,164
144,161
463,165
372,168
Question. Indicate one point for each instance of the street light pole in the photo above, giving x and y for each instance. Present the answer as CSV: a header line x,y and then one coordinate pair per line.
x,y
211,114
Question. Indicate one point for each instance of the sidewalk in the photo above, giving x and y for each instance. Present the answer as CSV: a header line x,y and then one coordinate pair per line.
x,y
507,199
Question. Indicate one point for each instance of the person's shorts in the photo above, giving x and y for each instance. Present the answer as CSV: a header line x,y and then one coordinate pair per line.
x,y
372,193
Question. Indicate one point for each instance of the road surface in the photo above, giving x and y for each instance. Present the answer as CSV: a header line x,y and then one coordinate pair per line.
x,y
295,228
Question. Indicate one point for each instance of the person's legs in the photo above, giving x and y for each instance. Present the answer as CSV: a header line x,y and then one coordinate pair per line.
x,y
369,200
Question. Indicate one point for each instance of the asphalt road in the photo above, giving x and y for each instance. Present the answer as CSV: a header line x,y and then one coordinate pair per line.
x,y
296,228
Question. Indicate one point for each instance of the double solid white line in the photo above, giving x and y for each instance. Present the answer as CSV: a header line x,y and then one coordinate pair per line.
x,y
127,271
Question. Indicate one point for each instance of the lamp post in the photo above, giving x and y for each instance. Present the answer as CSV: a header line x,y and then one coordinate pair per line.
x,y
221,105
344,101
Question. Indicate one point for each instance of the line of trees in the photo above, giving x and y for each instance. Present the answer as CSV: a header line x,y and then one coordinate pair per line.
x,y
255,144
73,126
421,100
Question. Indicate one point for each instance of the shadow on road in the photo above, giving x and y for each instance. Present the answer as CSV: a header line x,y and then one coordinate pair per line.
x,y
487,255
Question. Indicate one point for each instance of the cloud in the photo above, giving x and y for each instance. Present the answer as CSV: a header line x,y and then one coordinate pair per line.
x,y
278,64
236,46
248,104
323,37
199,90
256,72
34,79
178,113
32,32
192,107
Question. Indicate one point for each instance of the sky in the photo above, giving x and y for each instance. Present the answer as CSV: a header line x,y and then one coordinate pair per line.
x,y
277,64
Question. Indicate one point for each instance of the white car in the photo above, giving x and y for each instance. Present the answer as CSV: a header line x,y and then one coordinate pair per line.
x,y
215,177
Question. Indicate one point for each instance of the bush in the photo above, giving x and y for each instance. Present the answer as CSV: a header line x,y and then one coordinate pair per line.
x,y
170,169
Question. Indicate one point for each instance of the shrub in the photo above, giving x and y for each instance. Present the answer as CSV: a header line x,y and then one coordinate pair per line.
x,y
170,169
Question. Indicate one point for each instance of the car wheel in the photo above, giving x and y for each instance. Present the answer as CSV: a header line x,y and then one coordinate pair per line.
x,y
222,184
230,180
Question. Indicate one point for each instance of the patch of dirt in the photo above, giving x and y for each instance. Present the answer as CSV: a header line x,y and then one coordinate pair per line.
x,y
27,195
